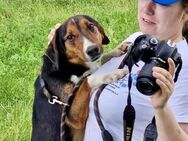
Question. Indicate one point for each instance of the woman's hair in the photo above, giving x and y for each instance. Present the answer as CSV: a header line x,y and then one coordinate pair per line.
x,y
185,28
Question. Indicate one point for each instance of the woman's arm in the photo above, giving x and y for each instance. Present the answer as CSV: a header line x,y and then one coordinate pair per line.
x,y
184,126
167,126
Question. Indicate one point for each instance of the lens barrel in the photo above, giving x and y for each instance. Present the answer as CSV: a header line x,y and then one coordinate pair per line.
x,y
146,86
146,83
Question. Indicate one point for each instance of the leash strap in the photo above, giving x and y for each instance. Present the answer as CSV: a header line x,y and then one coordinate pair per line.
x,y
63,125
65,109
105,133
52,99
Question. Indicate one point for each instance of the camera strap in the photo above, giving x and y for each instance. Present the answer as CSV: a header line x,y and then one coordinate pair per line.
x,y
150,133
129,112
178,69
106,136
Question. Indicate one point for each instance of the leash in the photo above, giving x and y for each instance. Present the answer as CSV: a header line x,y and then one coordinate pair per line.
x,y
52,99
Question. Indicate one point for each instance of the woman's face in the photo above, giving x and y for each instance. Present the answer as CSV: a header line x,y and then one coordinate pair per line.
x,y
162,22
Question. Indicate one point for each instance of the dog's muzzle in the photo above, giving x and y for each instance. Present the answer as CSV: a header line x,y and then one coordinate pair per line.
x,y
93,52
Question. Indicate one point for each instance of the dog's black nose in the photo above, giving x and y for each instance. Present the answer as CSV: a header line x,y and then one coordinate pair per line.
x,y
92,51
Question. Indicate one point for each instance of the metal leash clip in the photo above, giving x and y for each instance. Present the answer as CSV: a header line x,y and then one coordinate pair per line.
x,y
54,100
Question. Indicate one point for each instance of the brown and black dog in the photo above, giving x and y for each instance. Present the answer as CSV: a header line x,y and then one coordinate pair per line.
x,y
71,55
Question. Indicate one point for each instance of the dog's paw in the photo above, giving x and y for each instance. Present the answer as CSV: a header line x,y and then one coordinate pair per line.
x,y
116,52
96,80
114,76
120,49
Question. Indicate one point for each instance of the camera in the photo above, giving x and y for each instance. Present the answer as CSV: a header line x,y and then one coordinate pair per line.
x,y
152,52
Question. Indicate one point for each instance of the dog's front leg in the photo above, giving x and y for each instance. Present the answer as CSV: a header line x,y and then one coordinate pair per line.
x,y
116,52
79,109
96,80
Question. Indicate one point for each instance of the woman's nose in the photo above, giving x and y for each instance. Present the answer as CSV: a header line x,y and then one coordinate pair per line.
x,y
149,7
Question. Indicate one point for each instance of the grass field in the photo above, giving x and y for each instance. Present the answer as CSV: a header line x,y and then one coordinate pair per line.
x,y
24,27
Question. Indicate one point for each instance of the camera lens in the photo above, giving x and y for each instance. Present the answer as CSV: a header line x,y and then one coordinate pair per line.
x,y
146,86
146,83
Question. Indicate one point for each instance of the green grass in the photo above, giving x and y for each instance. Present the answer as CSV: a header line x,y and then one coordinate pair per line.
x,y
24,27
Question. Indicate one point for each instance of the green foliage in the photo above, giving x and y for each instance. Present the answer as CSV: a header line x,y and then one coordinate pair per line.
x,y
24,27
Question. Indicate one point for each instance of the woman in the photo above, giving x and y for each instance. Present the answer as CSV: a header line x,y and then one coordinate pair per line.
x,y
163,19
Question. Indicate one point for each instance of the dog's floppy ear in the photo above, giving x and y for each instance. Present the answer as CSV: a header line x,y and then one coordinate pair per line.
x,y
105,40
52,51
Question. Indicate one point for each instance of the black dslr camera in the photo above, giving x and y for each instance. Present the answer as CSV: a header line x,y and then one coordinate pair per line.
x,y
153,53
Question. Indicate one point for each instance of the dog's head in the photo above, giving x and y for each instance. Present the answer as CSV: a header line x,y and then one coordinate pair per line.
x,y
79,40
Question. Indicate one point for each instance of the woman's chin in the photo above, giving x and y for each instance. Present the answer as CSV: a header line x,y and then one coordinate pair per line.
x,y
149,31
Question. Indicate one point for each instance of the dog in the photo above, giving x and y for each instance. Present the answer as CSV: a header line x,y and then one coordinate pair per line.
x,y
70,60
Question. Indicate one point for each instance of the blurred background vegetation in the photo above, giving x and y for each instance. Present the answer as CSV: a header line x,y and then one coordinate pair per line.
x,y
24,27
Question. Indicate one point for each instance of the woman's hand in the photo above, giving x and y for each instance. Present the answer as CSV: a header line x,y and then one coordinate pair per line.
x,y
165,80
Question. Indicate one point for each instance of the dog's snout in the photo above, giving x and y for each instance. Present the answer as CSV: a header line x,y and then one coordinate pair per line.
x,y
92,51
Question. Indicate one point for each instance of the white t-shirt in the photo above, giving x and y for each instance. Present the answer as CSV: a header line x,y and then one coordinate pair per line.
x,y
113,100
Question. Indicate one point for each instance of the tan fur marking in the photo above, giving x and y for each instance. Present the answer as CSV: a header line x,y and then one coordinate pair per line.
x,y
74,50
79,111
95,36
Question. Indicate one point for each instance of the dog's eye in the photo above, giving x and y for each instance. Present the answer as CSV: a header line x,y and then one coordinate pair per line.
x,y
91,27
70,38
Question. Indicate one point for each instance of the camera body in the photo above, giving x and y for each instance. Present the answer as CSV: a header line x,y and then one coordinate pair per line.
x,y
153,53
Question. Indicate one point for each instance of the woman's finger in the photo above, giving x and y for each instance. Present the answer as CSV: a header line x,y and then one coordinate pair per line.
x,y
163,74
172,66
165,82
